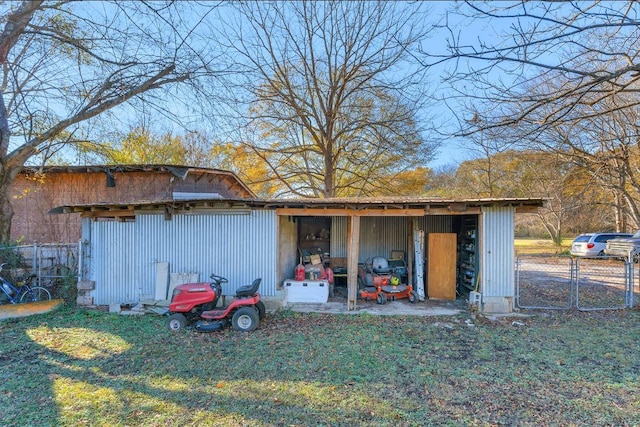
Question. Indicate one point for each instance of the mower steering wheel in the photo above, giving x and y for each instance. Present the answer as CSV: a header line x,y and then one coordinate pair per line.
x,y
218,279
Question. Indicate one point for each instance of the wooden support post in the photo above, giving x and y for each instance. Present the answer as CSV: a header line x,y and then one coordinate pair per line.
x,y
353,247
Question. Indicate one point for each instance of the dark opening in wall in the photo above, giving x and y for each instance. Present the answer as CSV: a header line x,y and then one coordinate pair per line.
x,y
111,180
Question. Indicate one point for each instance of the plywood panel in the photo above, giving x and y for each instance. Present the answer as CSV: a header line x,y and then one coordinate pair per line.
x,y
176,279
162,281
441,275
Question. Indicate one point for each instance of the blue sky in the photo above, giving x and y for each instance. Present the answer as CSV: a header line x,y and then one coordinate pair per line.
x,y
450,152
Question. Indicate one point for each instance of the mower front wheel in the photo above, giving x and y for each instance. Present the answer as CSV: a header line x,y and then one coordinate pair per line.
x,y
176,321
381,298
245,319
413,297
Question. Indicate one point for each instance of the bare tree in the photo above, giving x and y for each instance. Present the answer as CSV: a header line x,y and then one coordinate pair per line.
x,y
587,52
66,63
534,173
606,148
330,92
562,77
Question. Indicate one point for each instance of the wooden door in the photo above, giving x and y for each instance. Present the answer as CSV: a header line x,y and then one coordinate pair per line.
x,y
441,266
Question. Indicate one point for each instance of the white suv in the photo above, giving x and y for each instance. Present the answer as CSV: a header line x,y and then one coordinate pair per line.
x,y
593,244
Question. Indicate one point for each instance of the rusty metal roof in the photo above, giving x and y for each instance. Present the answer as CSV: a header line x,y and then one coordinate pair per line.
x,y
403,200
178,170
352,203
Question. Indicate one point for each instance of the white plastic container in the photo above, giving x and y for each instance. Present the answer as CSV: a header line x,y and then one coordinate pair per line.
x,y
475,298
306,291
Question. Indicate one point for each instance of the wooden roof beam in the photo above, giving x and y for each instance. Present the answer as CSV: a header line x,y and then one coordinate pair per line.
x,y
347,212
108,214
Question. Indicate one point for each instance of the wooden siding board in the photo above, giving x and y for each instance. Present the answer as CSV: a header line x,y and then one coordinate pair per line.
x,y
33,196
288,255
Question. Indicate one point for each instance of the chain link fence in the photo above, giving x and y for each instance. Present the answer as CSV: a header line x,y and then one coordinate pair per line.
x,y
603,283
554,282
545,282
53,266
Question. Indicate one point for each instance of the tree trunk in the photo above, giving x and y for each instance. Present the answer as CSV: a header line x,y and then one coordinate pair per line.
x,y
554,230
6,210
621,223
329,175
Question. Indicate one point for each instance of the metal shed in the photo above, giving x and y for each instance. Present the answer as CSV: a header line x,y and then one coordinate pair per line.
x,y
127,246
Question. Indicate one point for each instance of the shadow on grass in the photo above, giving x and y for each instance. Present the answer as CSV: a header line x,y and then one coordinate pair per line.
x,y
100,369
103,373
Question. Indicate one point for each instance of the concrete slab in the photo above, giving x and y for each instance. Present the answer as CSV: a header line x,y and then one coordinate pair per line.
x,y
132,313
392,308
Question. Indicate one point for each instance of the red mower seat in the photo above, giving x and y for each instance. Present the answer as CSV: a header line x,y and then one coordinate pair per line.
x,y
248,291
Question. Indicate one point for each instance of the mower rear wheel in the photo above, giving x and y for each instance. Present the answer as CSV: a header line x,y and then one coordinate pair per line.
x,y
176,321
261,309
245,319
413,297
381,298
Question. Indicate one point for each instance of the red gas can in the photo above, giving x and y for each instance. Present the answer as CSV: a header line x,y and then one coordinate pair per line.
x,y
299,273
329,275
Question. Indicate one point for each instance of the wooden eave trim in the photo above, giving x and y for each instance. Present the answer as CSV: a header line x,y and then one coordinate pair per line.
x,y
415,212
527,209
347,212
406,210
447,211
108,214
232,185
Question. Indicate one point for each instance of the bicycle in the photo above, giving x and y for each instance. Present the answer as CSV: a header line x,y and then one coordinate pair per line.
x,y
24,293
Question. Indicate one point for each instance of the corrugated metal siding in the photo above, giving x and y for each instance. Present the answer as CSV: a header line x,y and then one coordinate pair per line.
x,y
339,237
380,235
497,244
434,223
236,246
114,261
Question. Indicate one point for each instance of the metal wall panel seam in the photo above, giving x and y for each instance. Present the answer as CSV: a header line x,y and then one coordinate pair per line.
x,y
239,247
498,253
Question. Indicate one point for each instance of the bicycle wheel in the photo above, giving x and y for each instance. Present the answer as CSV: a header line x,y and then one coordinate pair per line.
x,y
37,293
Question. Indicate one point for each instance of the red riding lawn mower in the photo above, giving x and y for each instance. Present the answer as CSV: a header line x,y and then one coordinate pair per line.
x,y
380,281
196,302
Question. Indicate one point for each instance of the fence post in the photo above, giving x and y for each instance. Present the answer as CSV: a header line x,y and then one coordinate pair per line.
x,y
631,284
80,261
34,259
629,290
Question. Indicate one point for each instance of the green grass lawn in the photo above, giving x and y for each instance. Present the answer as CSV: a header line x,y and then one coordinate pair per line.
x,y
80,367
541,246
